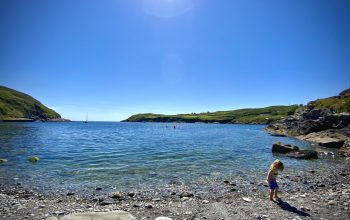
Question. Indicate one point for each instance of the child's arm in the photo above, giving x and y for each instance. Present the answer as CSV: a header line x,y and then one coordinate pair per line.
x,y
269,175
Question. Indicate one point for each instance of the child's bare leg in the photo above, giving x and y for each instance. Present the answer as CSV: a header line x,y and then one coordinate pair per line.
x,y
272,191
276,197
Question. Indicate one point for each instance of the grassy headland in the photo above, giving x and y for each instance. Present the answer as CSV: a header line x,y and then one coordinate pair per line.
x,y
242,116
339,103
17,106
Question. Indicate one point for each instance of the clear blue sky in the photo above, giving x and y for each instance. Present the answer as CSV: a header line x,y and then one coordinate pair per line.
x,y
115,58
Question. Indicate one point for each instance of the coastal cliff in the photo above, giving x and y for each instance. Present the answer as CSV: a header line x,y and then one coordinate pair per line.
x,y
323,121
17,106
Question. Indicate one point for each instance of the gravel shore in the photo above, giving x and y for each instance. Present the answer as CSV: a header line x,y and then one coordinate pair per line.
x,y
305,195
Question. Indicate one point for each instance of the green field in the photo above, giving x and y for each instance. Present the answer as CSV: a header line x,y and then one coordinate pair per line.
x,y
15,105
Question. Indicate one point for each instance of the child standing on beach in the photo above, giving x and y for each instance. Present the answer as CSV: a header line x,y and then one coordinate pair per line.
x,y
276,166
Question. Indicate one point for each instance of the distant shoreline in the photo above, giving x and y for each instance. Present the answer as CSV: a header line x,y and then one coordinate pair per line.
x,y
35,120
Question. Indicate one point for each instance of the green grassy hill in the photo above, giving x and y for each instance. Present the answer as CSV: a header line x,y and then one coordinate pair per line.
x,y
339,103
244,116
15,105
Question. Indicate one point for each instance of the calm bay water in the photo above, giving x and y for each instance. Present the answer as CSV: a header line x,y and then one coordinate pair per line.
x,y
137,155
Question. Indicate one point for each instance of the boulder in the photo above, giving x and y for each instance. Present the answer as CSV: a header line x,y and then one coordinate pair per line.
x,y
329,142
303,154
277,135
113,215
283,148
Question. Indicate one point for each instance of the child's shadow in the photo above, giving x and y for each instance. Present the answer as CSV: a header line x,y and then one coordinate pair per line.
x,y
286,206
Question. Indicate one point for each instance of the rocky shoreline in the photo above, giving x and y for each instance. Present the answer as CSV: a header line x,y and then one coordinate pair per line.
x,y
306,195
322,127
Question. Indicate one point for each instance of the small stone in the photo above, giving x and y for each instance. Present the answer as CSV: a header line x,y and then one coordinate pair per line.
x,y
149,206
98,188
304,208
106,202
332,202
163,218
156,199
59,213
186,194
205,201
188,213
246,199
131,194
184,199
117,195
70,194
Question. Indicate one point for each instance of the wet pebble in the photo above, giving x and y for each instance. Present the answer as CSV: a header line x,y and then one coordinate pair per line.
x,y
246,199
332,202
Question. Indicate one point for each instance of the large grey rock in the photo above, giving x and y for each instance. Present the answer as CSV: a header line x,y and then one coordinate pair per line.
x,y
279,147
303,154
114,215
163,218
330,142
307,119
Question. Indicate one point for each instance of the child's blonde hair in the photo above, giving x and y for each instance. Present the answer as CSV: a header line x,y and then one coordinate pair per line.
x,y
277,164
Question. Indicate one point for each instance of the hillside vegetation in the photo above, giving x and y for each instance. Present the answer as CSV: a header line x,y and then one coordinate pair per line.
x,y
339,103
15,105
244,116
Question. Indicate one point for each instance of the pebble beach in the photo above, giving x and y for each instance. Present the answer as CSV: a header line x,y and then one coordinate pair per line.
x,y
305,195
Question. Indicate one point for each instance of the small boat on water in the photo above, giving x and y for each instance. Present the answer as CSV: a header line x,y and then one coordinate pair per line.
x,y
87,117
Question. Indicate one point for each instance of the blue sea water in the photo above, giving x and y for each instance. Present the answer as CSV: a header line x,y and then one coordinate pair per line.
x,y
126,156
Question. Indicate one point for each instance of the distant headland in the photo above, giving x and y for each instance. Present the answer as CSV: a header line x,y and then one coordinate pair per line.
x,y
240,116
267,115
16,106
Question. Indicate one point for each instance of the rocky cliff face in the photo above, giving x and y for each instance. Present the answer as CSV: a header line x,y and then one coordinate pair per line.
x,y
307,120
322,121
